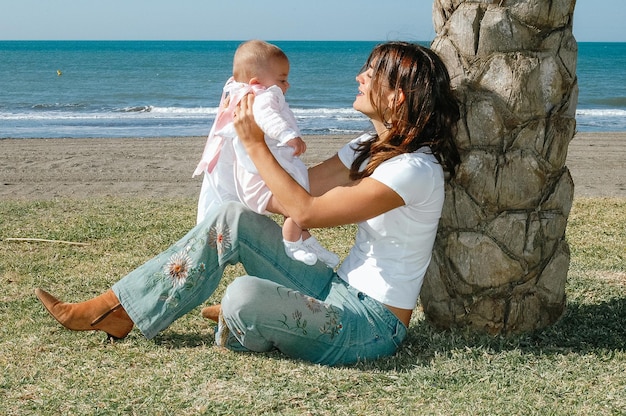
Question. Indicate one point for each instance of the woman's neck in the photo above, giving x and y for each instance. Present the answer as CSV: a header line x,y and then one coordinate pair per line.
x,y
381,129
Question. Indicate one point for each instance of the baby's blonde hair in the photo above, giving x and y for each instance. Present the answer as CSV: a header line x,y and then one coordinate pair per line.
x,y
252,59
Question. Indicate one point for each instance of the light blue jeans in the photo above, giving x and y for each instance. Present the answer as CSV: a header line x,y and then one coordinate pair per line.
x,y
306,312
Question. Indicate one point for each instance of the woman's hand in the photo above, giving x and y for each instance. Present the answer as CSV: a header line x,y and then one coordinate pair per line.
x,y
243,119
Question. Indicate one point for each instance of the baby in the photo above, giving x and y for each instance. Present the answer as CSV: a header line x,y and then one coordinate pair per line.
x,y
262,69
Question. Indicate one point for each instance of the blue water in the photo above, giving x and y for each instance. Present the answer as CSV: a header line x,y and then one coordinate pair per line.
x,y
162,89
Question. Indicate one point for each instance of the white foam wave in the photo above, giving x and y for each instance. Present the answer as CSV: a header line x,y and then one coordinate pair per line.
x,y
203,111
324,111
147,112
144,112
164,120
608,112
42,113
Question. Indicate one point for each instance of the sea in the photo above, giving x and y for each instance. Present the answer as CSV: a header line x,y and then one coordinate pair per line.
x,y
93,89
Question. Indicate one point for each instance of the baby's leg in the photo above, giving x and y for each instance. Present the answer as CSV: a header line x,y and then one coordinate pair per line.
x,y
291,231
297,239
301,241
294,247
292,236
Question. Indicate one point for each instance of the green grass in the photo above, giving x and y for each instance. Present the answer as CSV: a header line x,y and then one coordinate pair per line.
x,y
577,366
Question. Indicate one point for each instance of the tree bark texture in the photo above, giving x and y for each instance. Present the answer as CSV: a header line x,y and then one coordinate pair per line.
x,y
500,260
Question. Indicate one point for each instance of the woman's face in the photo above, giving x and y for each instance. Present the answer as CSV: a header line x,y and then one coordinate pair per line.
x,y
363,101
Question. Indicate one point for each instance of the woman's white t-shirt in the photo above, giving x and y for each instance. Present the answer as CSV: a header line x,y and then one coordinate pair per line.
x,y
392,251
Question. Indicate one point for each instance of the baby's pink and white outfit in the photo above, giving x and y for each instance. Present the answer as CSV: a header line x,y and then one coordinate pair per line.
x,y
225,158
230,174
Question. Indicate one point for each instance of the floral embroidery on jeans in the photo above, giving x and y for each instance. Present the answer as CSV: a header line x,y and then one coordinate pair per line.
x,y
219,238
332,326
299,323
181,273
193,243
313,304
177,268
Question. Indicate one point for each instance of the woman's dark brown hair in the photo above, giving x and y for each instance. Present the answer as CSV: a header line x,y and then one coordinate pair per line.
x,y
427,116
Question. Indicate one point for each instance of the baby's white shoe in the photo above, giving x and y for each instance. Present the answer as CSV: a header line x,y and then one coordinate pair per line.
x,y
298,251
328,257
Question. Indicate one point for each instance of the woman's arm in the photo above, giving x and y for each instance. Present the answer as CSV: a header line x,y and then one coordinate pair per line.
x,y
328,174
335,200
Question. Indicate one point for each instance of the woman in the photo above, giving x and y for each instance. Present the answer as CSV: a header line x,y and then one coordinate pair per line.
x,y
390,182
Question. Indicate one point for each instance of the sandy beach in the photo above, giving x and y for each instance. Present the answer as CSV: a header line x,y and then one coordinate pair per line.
x,y
41,169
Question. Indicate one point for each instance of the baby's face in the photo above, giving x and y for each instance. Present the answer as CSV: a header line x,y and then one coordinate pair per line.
x,y
277,73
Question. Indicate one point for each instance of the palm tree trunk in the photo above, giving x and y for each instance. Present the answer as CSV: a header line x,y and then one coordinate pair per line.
x,y
500,260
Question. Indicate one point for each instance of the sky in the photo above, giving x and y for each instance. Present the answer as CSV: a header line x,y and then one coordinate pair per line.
x,y
594,20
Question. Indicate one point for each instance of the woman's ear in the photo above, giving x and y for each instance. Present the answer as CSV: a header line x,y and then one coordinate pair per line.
x,y
396,98
400,97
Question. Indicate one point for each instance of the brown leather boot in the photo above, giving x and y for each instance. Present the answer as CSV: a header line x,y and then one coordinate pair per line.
x,y
212,312
103,313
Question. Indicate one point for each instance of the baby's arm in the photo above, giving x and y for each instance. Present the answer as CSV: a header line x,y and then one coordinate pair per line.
x,y
273,115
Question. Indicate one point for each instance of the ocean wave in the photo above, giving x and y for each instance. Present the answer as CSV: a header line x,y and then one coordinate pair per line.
x,y
590,119
203,111
78,111
149,111
178,111
162,121
136,113
137,109
325,111
58,106
601,113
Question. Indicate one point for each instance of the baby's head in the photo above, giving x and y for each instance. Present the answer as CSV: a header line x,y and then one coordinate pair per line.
x,y
259,62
